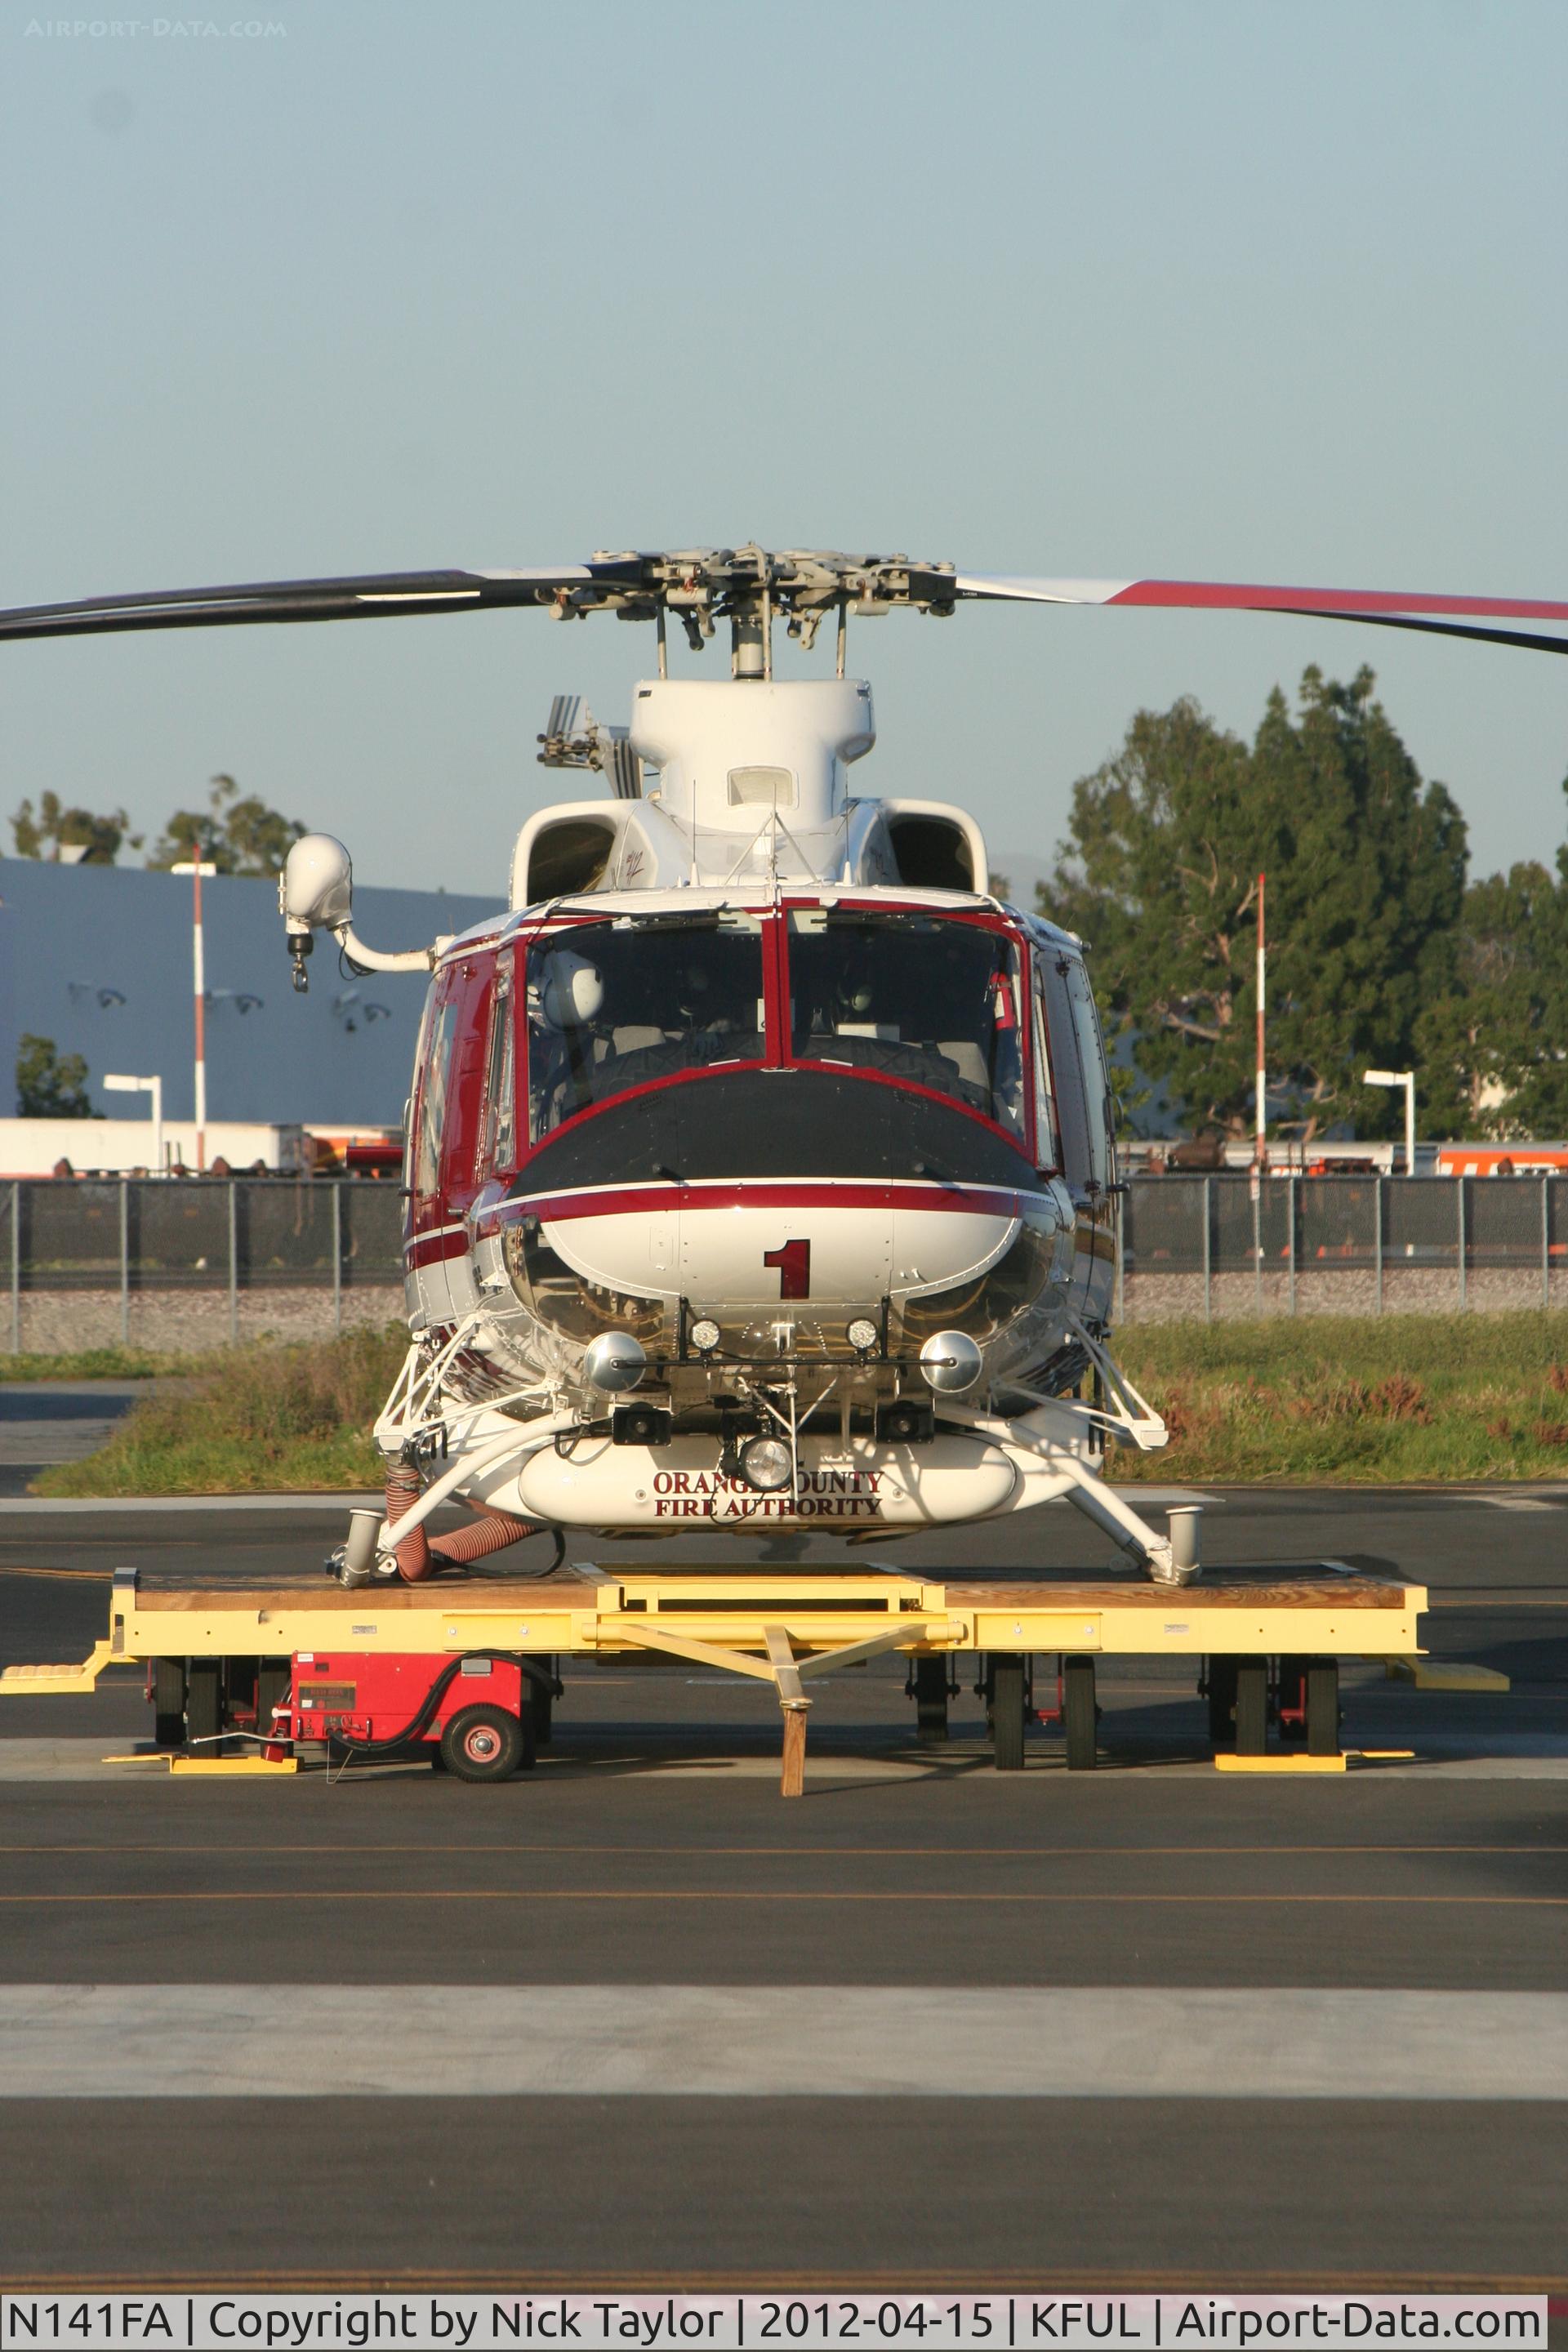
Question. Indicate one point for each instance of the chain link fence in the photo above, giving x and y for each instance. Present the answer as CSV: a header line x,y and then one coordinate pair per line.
x,y
1218,1246
194,1262
186,1264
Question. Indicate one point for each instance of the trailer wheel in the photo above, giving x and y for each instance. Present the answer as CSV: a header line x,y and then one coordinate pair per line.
x,y
1081,1715
484,1743
273,1676
1322,1707
203,1699
542,1710
1221,1680
931,1698
1251,1706
1008,1710
169,1702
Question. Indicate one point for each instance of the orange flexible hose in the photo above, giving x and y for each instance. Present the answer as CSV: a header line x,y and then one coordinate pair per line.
x,y
491,1531
418,1558
413,1562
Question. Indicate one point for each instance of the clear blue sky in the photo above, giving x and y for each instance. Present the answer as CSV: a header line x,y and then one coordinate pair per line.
x,y
1270,291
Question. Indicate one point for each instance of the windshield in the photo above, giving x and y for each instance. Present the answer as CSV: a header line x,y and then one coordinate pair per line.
x,y
932,1001
615,1006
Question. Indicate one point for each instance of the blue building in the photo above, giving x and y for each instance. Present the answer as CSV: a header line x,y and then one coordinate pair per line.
x,y
98,958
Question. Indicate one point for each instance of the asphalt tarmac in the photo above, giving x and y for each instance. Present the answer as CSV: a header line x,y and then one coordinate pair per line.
x,y
652,1943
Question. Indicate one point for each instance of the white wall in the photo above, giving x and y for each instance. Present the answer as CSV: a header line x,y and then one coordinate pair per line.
x,y
33,1147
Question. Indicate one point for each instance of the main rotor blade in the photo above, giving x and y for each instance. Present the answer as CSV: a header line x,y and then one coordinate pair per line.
x,y
373,596
1499,620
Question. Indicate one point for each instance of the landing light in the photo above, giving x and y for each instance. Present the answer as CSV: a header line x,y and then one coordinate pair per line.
x,y
950,1360
766,1464
613,1361
704,1335
863,1335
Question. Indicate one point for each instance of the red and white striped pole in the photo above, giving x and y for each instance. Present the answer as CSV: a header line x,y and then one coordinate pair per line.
x,y
1262,1154
200,975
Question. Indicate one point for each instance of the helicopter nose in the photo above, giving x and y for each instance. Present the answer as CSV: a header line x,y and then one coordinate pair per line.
x,y
940,1242
756,1246
801,1243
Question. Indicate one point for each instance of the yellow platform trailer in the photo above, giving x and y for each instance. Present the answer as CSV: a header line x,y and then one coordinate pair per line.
x,y
467,1669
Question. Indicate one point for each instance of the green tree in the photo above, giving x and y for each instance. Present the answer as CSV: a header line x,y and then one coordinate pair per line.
x,y
238,836
1492,1050
45,832
1366,876
50,1085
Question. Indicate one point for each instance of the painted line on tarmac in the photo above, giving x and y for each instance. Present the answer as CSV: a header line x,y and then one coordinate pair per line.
x,y
177,2040
62,1575
1039,2279
362,1850
797,1895
950,2280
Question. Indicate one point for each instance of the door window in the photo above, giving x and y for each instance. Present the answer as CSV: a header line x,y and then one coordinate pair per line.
x,y
435,1082
1072,1100
1096,1074
498,1136
1047,1133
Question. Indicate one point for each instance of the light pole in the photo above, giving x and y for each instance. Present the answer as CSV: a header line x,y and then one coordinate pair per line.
x,y
1406,1079
1262,1106
196,869
153,1087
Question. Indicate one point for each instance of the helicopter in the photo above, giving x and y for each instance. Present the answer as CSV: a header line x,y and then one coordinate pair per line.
x,y
760,1163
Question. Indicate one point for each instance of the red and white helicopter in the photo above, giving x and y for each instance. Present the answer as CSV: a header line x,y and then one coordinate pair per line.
x,y
760,1169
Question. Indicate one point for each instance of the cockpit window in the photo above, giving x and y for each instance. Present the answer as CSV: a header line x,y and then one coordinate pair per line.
x,y
929,1001
613,1005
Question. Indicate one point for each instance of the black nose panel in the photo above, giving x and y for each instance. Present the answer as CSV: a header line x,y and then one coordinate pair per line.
x,y
775,1123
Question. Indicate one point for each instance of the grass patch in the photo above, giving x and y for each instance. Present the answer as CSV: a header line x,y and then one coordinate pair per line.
x,y
1416,1398
272,1418
99,1364
1393,1399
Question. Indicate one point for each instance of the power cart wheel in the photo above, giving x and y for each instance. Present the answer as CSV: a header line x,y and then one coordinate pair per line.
x,y
169,1702
483,1743
1080,1714
541,1711
1007,1711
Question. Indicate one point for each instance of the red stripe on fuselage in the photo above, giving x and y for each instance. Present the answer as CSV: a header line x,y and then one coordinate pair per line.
x,y
435,1249
641,1199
